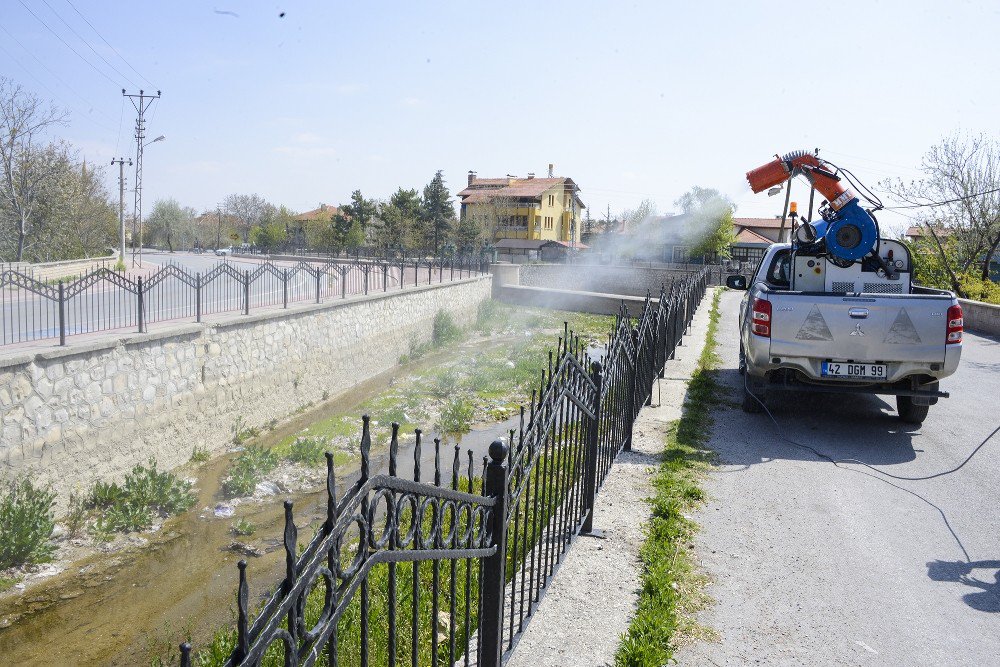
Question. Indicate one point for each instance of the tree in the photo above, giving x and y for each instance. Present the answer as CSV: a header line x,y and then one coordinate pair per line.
x,y
169,222
710,221
247,212
468,234
360,210
437,210
958,170
269,236
400,218
24,119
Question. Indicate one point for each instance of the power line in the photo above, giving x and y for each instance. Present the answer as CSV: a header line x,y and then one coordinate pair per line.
x,y
66,44
57,78
946,201
80,37
96,32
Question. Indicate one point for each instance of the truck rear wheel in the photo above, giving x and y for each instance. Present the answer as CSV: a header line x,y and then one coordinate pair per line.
x,y
910,413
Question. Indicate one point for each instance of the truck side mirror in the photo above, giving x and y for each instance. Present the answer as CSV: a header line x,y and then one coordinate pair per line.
x,y
736,282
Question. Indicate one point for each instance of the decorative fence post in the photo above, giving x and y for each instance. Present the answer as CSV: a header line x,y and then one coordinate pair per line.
x,y
633,388
197,296
140,306
491,611
246,292
62,313
593,443
319,277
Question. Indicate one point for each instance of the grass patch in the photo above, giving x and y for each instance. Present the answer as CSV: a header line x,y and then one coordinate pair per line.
x,y
7,583
26,523
242,432
671,587
145,494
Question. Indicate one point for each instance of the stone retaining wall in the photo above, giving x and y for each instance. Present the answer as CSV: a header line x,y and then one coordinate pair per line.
x,y
981,317
72,416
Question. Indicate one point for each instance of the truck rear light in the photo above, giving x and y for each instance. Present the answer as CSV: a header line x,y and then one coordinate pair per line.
x,y
956,324
761,316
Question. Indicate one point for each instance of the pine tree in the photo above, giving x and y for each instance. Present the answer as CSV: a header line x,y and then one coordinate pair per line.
x,y
438,212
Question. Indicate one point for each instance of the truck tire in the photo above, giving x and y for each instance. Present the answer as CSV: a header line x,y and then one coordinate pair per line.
x,y
751,404
910,413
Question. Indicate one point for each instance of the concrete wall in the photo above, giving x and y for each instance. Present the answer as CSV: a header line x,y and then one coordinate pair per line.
x,y
981,317
630,281
72,416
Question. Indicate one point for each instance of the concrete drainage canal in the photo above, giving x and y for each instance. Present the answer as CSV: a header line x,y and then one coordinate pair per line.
x,y
130,598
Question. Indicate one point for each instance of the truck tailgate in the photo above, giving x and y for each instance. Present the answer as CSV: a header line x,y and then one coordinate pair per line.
x,y
859,328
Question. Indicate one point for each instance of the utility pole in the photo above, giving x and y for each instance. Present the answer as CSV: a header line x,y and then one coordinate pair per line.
x,y
141,103
121,206
218,234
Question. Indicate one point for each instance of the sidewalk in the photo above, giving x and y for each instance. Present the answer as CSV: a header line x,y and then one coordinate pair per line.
x,y
593,596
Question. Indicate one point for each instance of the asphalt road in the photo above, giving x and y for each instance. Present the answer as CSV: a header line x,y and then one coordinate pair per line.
x,y
821,565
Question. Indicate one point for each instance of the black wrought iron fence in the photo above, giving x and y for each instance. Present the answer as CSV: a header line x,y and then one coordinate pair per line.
x,y
104,299
413,572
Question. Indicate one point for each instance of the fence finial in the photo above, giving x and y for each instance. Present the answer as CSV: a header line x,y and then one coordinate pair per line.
x,y
393,448
366,446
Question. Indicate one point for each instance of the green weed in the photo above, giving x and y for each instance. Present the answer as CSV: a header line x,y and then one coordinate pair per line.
x,y
200,454
26,523
243,528
145,494
247,470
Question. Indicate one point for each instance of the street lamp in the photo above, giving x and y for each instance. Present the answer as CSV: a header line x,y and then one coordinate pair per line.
x,y
159,138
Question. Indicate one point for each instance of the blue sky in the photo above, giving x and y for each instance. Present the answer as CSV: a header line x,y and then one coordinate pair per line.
x,y
631,100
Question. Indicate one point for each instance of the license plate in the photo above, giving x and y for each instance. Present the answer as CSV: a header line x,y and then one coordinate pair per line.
x,y
840,369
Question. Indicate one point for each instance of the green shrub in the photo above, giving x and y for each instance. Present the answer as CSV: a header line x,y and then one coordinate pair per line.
x,y
445,330
146,493
308,451
76,517
6,583
456,417
26,522
247,469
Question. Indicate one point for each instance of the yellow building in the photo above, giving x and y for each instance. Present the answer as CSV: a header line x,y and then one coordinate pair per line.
x,y
532,209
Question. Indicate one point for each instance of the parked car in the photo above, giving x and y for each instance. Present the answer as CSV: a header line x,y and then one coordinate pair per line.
x,y
224,251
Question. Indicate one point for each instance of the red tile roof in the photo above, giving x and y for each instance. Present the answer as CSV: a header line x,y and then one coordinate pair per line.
x,y
324,212
918,231
749,236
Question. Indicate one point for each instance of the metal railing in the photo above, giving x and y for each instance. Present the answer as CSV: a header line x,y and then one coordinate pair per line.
x,y
416,572
103,299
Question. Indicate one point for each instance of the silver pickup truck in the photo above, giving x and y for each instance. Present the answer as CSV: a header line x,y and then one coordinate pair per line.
x,y
811,325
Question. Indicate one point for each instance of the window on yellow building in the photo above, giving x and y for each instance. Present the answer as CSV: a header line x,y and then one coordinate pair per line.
x,y
552,200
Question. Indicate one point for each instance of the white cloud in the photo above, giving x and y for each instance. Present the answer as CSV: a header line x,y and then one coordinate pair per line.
x,y
412,102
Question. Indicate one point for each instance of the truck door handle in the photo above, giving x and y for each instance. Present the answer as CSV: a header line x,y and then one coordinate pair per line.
x,y
858,313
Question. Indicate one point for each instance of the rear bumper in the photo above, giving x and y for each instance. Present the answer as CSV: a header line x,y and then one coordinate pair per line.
x,y
761,364
787,381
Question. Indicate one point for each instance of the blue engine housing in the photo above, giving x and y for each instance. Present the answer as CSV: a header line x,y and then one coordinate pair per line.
x,y
851,234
